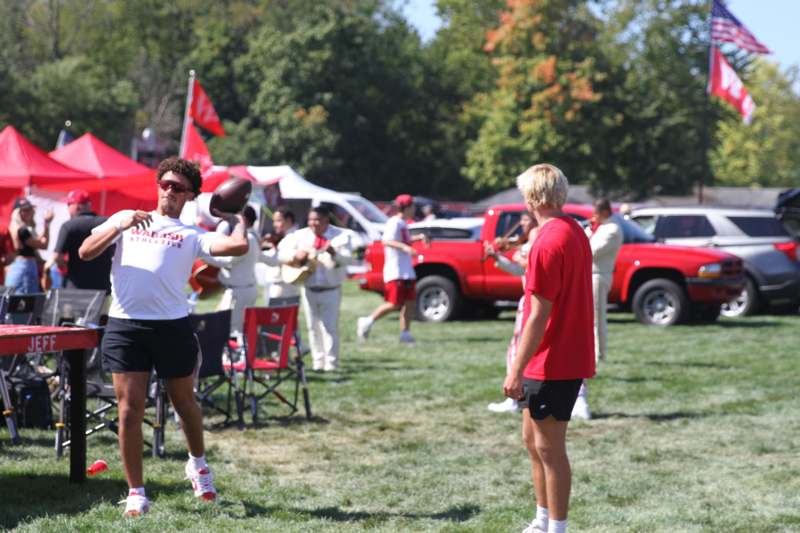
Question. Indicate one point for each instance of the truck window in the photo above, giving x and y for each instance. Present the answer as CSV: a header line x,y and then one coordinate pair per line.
x,y
505,223
682,226
760,226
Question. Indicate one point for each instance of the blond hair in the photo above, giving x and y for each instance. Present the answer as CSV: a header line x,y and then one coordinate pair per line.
x,y
15,225
543,185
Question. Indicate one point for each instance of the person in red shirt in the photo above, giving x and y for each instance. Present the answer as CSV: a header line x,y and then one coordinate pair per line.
x,y
556,347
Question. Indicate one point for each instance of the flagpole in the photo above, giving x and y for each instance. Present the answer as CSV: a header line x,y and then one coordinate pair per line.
x,y
186,119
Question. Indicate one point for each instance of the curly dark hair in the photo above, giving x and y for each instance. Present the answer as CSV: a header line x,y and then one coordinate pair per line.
x,y
185,168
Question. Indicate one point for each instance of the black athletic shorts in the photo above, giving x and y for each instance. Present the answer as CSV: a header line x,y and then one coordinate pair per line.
x,y
545,398
169,346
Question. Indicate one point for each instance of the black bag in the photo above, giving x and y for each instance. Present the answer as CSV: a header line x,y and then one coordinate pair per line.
x,y
31,398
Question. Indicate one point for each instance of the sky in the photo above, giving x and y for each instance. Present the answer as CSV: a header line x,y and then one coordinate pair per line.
x,y
773,22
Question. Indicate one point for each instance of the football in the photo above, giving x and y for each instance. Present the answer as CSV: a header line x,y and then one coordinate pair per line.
x,y
230,196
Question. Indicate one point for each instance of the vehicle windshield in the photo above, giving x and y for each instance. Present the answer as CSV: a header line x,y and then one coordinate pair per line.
x,y
631,231
368,209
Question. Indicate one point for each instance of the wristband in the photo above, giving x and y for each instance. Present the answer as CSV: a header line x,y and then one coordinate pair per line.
x,y
118,227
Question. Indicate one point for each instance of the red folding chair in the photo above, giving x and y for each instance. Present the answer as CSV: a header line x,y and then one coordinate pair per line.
x,y
270,333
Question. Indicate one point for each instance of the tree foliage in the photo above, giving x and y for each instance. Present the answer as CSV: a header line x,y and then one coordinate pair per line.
x,y
767,152
612,91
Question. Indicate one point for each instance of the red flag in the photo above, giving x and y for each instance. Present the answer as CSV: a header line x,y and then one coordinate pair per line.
x,y
724,82
203,112
195,149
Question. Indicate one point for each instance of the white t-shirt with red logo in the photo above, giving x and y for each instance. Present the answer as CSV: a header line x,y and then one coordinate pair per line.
x,y
396,263
151,267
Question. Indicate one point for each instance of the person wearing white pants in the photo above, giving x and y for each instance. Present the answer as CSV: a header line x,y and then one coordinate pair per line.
x,y
325,251
321,306
605,240
237,275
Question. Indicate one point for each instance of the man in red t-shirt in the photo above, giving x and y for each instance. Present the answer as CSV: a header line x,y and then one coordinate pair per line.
x,y
556,346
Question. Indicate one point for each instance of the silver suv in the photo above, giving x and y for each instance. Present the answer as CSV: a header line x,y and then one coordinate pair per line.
x,y
771,256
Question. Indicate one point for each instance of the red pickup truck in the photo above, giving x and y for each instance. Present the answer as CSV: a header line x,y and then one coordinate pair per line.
x,y
661,284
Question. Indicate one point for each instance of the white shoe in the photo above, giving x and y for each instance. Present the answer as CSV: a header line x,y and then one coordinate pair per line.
x,y
136,505
406,338
534,527
202,482
363,325
509,405
581,409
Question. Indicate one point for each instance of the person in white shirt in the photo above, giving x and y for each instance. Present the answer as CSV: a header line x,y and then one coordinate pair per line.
x,y
148,324
605,239
283,223
326,251
238,275
398,272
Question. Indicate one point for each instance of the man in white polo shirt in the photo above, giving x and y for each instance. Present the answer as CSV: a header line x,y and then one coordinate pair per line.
x,y
148,324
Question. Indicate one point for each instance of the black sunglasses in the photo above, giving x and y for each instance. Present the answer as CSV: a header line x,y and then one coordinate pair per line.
x,y
174,185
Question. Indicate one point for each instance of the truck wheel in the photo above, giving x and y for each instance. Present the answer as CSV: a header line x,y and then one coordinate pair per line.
x,y
745,304
660,302
437,299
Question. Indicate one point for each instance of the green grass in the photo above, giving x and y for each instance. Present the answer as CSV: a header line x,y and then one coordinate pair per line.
x,y
696,428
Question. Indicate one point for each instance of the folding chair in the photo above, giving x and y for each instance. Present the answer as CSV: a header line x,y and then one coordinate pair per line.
x,y
84,308
261,365
212,331
22,309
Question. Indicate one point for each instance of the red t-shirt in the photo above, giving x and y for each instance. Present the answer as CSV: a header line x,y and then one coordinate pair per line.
x,y
560,270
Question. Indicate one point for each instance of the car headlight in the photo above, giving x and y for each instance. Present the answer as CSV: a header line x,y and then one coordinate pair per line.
x,y
711,270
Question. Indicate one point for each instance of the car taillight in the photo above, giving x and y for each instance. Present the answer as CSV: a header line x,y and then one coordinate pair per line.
x,y
791,249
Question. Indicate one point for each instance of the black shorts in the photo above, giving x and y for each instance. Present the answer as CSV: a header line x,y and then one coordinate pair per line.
x,y
545,398
169,346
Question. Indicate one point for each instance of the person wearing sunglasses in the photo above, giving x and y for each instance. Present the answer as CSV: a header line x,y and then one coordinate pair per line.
x,y
148,325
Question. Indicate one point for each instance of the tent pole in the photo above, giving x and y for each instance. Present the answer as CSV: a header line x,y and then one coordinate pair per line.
x,y
186,119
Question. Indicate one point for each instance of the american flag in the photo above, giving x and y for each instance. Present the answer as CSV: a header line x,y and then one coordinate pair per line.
x,y
727,28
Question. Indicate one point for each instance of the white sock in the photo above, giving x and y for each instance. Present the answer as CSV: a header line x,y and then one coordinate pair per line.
x,y
557,526
368,320
139,491
198,463
542,516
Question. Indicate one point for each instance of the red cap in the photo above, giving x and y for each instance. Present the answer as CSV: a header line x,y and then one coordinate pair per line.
x,y
403,200
77,196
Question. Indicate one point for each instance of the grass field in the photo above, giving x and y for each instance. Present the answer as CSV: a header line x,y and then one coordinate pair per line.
x,y
696,428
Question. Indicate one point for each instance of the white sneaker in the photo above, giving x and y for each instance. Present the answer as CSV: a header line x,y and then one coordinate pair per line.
x,y
509,405
363,325
202,482
534,527
581,409
136,505
406,338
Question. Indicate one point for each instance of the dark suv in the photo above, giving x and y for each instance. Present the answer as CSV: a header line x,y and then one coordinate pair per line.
x,y
771,256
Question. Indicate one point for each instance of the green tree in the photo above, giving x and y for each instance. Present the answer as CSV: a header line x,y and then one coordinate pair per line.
x,y
767,152
548,71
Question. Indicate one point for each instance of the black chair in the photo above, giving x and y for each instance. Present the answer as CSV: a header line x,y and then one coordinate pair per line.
x,y
212,331
19,309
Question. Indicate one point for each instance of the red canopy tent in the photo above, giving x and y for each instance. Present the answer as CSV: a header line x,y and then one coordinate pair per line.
x,y
123,183
23,164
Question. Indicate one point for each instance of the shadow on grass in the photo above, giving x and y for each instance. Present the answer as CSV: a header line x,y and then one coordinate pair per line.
x,y
730,323
459,513
655,417
691,364
26,497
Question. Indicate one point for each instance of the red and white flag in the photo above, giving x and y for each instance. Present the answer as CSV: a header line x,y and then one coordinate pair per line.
x,y
203,112
195,149
724,82
727,28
